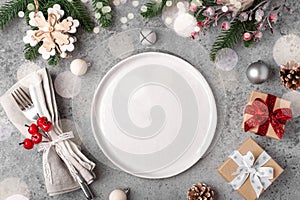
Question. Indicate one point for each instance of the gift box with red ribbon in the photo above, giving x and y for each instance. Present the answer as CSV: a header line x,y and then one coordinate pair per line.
x,y
266,115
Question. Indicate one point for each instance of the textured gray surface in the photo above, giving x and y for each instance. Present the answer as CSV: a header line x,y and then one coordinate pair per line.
x,y
26,165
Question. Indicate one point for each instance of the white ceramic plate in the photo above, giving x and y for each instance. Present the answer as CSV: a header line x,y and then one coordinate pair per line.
x,y
153,115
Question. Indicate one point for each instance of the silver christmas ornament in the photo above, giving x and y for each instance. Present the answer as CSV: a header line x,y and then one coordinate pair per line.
x,y
147,37
258,72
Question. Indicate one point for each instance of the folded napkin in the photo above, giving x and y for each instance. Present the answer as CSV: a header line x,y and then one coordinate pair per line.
x,y
62,158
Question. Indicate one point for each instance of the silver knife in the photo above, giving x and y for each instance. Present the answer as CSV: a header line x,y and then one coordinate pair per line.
x,y
84,187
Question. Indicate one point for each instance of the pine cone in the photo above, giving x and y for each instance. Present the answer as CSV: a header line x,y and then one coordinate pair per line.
x,y
200,191
290,75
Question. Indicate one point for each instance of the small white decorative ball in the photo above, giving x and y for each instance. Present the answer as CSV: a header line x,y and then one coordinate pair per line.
x,y
118,195
184,24
78,67
21,14
147,37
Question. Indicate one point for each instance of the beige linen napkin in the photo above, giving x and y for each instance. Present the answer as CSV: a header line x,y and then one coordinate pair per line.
x,y
62,158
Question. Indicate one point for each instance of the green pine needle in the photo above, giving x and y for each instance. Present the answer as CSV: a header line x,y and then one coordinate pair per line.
x,y
105,19
54,60
154,8
249,43
209,3
74,9
9,10
227,39
31,53
81,13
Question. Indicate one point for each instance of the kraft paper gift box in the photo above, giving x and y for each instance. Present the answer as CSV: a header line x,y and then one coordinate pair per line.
x,y
266,115
258,172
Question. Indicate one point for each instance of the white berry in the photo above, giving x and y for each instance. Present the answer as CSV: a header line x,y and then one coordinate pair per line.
x,y
78,67
118,195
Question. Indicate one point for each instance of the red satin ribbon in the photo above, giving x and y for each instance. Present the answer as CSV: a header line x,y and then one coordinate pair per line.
x,y
264,114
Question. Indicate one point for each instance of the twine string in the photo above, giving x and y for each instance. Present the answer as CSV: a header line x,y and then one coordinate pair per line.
x,y
52,20
36,2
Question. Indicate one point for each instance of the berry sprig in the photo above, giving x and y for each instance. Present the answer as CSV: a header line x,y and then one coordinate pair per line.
x,y
36,133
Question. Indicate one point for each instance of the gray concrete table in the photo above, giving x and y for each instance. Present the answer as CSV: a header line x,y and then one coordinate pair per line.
x,y
21,171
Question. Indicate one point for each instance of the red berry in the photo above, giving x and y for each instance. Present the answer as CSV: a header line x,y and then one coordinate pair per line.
x,y
194,35
41,120
27,143
247,36
200,24
44,124
36,138
225,26
193,8
273,17
257,35
33,129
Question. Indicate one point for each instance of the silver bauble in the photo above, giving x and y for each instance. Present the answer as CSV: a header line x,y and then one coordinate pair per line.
x,y
258,72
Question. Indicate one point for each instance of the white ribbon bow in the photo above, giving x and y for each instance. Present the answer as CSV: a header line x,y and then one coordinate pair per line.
x,y
46,146
259,175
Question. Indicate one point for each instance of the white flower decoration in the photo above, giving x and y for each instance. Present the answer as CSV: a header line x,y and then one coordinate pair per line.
x,y
52,32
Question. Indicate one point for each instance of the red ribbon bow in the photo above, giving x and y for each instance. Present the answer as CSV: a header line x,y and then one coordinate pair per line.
x,y
264,114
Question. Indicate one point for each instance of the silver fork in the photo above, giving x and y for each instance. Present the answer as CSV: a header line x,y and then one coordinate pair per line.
x,y
24,101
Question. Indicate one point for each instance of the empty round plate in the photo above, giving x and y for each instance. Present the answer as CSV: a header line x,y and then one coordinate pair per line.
x,y
153,115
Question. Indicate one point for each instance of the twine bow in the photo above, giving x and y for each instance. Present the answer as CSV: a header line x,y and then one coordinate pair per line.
x,y
264,114
46,146
50,32
52,20
259,175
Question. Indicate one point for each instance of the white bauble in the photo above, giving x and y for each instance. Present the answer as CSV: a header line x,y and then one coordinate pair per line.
x,y
118,195
184,24
226,59
78,67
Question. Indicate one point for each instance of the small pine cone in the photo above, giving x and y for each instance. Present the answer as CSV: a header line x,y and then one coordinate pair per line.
x,y
290,75
200,191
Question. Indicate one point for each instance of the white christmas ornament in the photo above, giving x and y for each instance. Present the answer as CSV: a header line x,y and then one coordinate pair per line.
x,y
53,33
226,59
147,37
78,67
169,14
67,85
287,48
184,24
118,194
294,97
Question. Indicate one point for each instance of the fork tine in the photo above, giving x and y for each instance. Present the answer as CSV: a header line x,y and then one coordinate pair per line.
x,y
22,98
20,104
27,97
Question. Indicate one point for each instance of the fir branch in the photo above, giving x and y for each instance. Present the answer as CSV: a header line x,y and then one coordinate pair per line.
x,y
31,53
81,13
227,39
249,43
9,10
54,60
105,19
27,19
74,9
153,8
209,3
